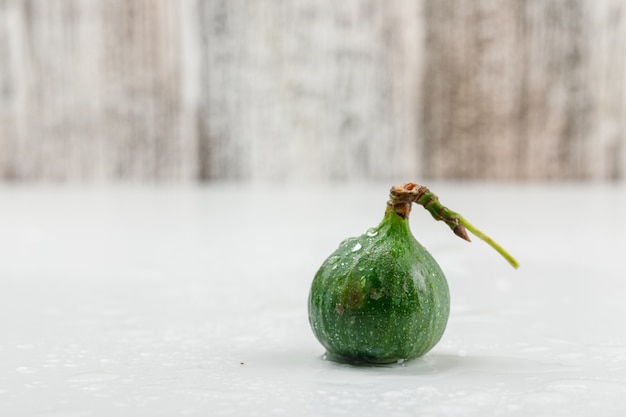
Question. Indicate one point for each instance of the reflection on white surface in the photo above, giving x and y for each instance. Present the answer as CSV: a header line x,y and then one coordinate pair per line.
x,y
192,301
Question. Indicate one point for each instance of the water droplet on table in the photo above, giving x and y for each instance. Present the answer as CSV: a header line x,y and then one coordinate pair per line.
x,y
92,380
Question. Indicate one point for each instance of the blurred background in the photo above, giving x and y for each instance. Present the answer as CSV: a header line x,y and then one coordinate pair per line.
x,y
313,90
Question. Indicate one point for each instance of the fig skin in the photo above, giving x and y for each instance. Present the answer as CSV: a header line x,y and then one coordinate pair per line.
x,y
380,297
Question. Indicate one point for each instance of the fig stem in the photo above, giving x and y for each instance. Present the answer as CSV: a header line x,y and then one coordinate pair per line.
x,y
510,259
402,197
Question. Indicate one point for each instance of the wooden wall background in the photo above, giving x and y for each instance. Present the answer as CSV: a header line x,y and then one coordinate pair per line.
x,y
273,90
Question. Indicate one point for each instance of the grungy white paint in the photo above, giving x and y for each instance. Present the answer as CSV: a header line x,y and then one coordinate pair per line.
x,y
144,301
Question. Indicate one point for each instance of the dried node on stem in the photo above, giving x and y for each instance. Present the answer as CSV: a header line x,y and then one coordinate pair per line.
x,y
402,197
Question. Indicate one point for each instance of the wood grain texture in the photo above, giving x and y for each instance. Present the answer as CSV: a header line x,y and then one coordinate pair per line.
x,y
274,90
524,90
160,90
92,91
308,90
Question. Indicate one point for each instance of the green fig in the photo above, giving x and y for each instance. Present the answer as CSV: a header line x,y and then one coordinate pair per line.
x,y
381,297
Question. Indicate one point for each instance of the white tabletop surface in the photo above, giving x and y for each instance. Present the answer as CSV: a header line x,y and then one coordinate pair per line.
x,y
164,301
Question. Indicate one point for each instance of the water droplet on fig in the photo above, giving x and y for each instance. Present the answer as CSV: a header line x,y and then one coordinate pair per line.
x,y
356,247
333,259
346,242
371,232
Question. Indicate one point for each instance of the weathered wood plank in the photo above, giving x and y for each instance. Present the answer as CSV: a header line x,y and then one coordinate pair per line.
x,y
520,90
94,91
313,89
